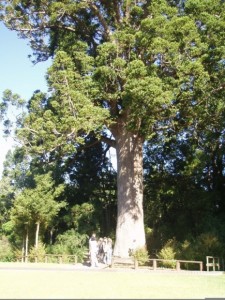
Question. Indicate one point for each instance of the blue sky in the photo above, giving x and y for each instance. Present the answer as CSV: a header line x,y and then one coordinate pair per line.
x,y
18,74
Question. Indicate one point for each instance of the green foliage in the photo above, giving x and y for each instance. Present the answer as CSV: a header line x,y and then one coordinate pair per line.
x,y
206,244
6,251
71,243
184,189
61,119
145,56
38,204
91,193
168,253
82,216
37,254
194,249
209,244
141,255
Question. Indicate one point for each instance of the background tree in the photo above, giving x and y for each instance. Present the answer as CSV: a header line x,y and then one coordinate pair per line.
x,y
92,188
36,206
184,209
89,191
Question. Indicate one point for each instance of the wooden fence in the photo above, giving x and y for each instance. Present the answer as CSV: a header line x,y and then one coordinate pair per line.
x,y
177,263
154,263
49,258
212,262
116,262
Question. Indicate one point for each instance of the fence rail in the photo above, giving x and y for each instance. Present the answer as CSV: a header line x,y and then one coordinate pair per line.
x,y
176,263
59,258
154,263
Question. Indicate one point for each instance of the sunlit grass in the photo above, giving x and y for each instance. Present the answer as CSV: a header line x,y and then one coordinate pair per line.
x,y
62,283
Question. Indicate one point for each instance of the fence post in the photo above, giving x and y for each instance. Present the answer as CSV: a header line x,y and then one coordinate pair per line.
x,y
135,263
177,265
112,264
154,264
60,259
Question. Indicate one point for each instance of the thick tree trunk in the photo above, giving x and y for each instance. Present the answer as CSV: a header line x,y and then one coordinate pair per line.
x,y
130,220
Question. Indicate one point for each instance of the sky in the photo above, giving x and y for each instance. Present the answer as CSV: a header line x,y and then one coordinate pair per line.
x,y
18,74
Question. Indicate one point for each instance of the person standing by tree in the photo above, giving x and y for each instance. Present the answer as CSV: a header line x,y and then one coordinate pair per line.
x,y
109,251
105,250
93,250
100,250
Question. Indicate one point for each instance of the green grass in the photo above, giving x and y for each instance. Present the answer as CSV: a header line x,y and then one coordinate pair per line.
x,y
70,283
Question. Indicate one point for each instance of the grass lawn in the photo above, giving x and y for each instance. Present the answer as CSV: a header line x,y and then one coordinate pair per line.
x,y
71,283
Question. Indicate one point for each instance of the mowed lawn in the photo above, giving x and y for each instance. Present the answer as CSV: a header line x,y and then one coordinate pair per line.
x,y
59,283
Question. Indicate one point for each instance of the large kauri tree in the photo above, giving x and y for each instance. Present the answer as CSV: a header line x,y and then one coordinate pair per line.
x,y
131,67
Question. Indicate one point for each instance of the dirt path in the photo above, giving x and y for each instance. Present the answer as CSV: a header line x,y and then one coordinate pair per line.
x,y
86,267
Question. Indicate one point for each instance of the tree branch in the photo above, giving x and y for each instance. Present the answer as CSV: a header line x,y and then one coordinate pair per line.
x,y
117,11
219,88
108,141
101,19
127,13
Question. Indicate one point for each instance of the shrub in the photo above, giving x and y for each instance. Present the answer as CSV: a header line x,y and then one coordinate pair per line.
x,y
206,244
6,251
71,243
37,253
168,253
141,255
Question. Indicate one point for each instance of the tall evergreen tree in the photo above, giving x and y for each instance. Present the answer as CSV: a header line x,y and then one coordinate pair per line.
x,y
149,64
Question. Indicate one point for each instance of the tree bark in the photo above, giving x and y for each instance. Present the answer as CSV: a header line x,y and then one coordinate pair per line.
x,y
130,232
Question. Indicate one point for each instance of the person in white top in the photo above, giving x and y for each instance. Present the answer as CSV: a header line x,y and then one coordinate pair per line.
x,y
93,250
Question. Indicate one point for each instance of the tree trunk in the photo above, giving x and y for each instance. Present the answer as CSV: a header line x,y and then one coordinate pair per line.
x,y
23,249
37,234
26,245
130,232
51,236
